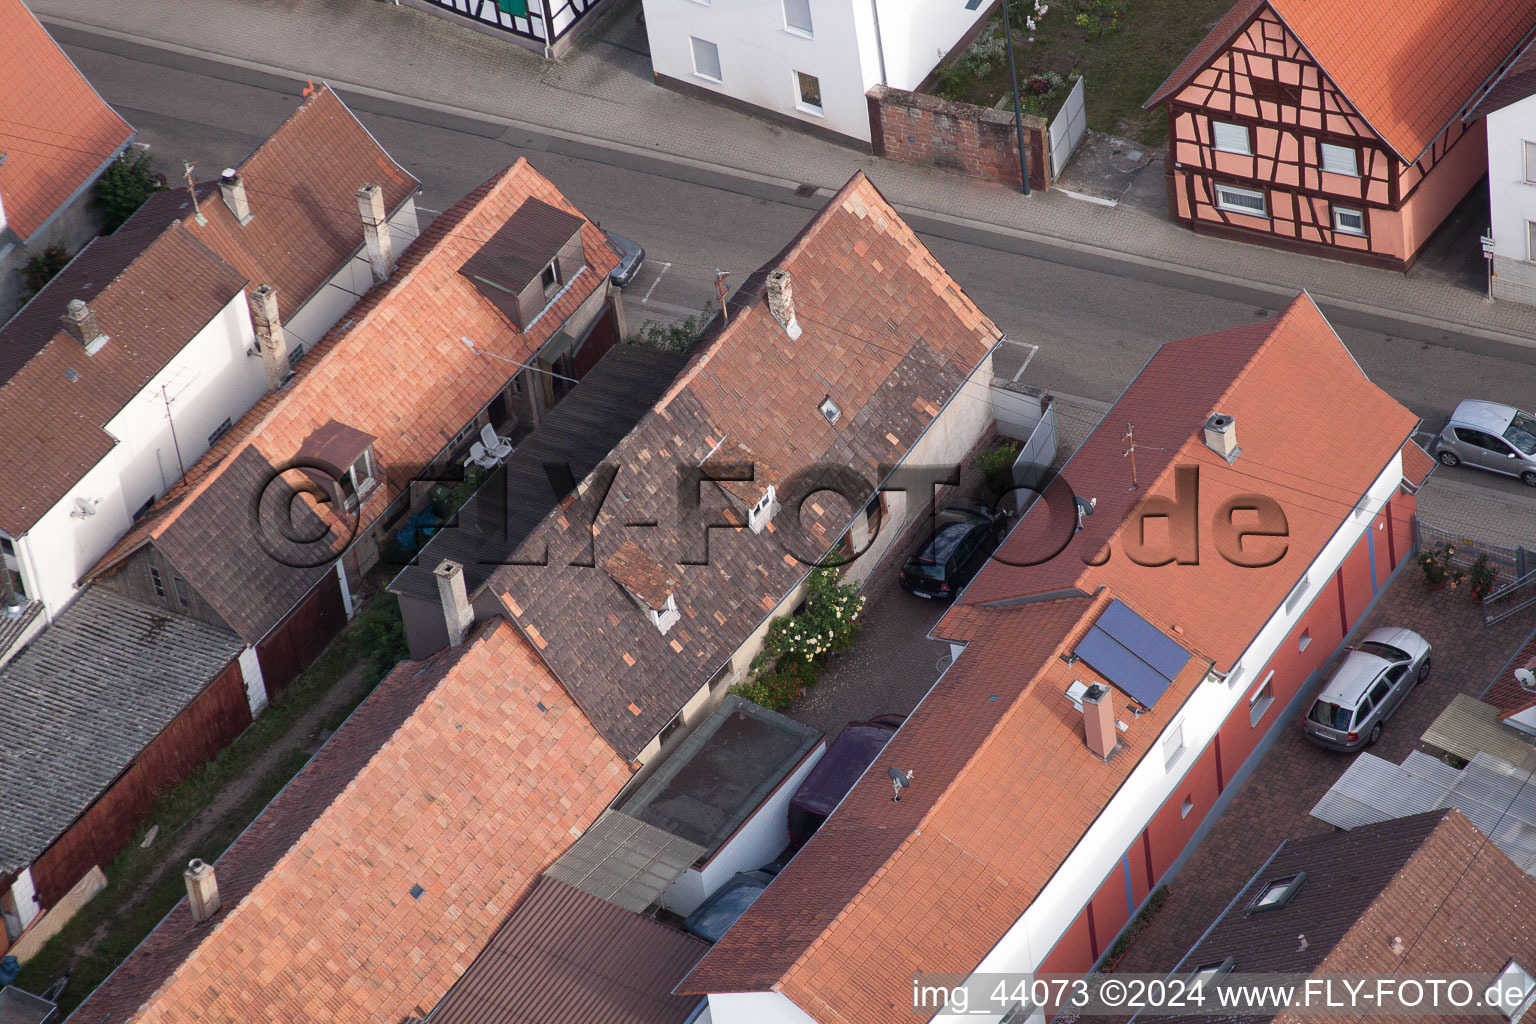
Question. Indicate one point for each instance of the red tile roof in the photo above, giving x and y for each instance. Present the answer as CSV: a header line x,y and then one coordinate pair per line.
x,y
1408,66
1514,84
1005,786
395,369
369,884
58,131
1505,692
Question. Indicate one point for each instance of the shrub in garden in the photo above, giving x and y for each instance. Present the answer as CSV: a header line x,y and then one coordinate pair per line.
x,y
124,186
1483,577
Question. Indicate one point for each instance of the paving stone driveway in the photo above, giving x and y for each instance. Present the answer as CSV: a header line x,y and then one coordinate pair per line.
x,y
1274,803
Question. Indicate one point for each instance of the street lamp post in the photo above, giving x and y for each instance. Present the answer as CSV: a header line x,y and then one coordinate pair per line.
x,y
1013,82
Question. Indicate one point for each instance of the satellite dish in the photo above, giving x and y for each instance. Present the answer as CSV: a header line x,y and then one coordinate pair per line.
x,y
85,508
1526,678
899,781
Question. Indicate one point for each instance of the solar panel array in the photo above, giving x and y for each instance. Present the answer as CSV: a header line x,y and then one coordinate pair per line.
x,y
1133,654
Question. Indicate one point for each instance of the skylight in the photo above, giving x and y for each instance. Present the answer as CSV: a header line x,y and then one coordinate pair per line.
x,y
1276,894
830,410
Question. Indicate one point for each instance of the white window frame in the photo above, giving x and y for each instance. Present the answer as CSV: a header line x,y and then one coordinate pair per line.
x,y
830,410
1530,241
1528,173
1342,229
1222,204
759,515
1514,974
801,103
1175,739
1231,129
809,31
665,617
694,42
360,488
1261,699
1339,152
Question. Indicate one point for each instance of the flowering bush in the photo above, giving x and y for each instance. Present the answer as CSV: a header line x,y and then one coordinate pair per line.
x,y
790,660
778,688
1438,567
1483,577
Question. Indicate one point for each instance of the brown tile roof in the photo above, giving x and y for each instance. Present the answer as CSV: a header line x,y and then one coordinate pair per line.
x,y
565,955
886,332
69,131
152,287
302,184
1505,692
1417,464
1514,84
641,574
368,885
396,369
873,896
521,248
1433,880
1408,66
1280,379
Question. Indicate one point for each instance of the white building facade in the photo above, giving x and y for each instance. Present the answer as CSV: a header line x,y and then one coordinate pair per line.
x,y
809,62
1512,199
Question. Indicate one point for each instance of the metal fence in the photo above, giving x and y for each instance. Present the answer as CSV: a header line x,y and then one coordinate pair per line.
x,y
1067,129
1515,568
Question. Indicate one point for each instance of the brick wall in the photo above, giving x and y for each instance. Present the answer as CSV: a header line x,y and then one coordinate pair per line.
x,y
916,128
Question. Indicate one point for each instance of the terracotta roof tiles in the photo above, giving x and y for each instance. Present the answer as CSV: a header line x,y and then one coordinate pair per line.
x,y
65,133
366,888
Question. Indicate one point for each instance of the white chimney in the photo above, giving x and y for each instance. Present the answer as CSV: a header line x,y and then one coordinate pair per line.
x,y
271,339
381,251
781,302
233,187
202,890
81,323
457,614
1221,436
1099,720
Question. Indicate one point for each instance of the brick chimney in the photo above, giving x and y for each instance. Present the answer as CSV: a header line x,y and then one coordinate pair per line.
x,y
233,187
202,890
781,302
1099,720
457,614
381,251
271,339
81,323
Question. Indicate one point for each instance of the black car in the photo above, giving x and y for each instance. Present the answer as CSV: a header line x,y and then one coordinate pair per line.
x,y
631,256
962,539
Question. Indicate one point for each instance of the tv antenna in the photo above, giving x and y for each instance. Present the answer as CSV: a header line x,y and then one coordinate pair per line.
x,y
1526,678
187,167
1130,439
900,780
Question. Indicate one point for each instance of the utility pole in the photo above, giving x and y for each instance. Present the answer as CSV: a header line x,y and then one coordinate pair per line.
x,y
1130,437
188,167
1018,111
166,398
720,277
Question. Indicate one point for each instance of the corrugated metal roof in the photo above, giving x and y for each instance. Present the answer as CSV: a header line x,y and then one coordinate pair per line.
x,y
625,861
567,956
81,702
1468,727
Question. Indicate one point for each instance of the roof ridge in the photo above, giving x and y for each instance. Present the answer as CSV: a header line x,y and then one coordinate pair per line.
x,y
260,414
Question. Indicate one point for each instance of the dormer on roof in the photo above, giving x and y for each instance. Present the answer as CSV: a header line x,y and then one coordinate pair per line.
x,y
341,460
529,261
648,582
756,499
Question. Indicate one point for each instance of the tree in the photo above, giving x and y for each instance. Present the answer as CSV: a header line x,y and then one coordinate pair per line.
x,y
124,186
41,267
677,337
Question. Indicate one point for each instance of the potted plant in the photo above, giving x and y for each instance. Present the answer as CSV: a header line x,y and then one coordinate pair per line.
x,y
1483,577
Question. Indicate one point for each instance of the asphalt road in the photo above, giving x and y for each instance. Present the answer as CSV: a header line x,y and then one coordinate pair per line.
x,y
1085,324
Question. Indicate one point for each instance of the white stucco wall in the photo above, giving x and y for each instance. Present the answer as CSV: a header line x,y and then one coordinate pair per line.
x,y
1511,200
211,379
756,1008
759,839
759,55
916,34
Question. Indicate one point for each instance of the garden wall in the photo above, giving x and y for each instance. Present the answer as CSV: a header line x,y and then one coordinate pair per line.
x,y
916,128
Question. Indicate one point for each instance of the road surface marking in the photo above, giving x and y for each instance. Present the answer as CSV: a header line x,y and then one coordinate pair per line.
x,y
1025,364
664,268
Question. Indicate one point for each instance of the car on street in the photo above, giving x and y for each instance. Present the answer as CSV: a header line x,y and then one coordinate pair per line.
x,y
1368,686
1487,435
714,917
854,750
631,256
955,551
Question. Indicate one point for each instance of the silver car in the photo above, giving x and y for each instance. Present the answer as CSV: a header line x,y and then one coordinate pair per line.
x,y
1490,436
1370,683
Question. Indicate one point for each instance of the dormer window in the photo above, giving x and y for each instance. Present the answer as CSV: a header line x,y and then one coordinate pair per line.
x,y
550,279
665,617
528,260
647,582
759,515
357,481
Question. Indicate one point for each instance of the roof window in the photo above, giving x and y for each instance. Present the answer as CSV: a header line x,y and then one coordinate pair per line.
x,y
1514,986
829,409
1276,894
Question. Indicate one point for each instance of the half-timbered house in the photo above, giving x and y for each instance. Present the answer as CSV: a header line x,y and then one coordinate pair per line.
x,y
1335,128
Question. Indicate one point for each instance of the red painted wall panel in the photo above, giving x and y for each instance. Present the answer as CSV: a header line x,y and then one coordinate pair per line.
x,y
1072,955
1110,911
1170,830
1357,581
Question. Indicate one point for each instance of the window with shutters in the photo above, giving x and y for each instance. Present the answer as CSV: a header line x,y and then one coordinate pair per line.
x,y
1240,200
1348,222
1231,138
706,59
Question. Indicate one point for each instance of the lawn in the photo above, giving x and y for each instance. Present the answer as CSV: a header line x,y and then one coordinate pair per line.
x,y
1122,48
141,887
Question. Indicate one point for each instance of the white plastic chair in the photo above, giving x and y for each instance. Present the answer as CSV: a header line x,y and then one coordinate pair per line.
x,y
496,447
478,456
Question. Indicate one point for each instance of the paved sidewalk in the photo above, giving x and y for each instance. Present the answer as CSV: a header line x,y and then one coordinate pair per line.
x,y
603,93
